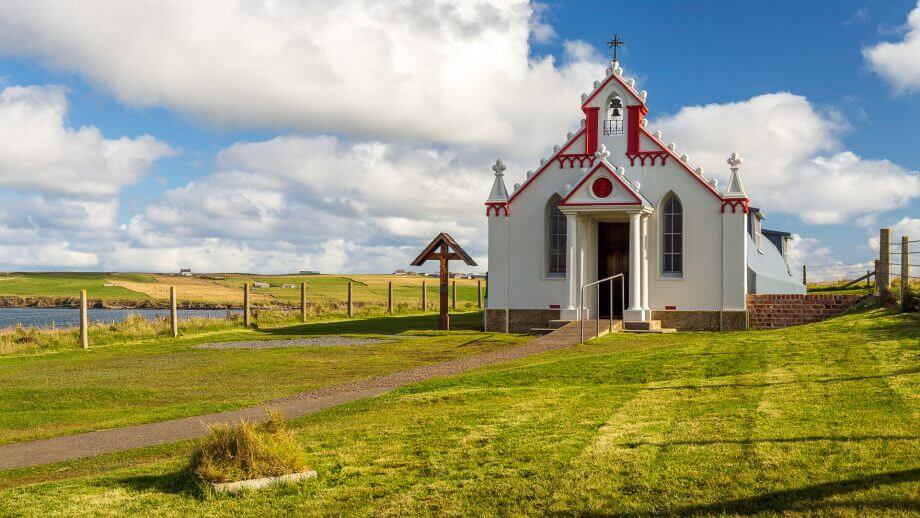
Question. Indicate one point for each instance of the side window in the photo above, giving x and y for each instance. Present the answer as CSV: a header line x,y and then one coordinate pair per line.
x,y
555,238
672,237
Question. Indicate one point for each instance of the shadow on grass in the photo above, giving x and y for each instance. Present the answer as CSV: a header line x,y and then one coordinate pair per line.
x,y
806,498
740,384
471,321
178,482
778,440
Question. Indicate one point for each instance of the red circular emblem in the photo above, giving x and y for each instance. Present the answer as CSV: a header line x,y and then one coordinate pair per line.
x,y
602,187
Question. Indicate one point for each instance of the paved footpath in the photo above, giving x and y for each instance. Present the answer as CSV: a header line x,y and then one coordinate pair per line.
x,y
47,451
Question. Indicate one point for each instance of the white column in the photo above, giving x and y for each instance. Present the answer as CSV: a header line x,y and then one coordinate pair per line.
x,y
635,275
571,272
646,312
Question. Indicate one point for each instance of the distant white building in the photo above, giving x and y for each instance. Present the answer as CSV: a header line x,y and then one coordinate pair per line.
x,y
260,285
615,198
185,272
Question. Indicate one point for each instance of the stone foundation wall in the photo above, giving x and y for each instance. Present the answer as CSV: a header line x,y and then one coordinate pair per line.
x,y
518,320
777,311
702,320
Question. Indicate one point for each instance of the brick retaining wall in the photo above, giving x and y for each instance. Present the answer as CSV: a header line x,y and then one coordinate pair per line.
x,y
776,311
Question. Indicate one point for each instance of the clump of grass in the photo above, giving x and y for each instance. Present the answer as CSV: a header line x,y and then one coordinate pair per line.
x,y
246,451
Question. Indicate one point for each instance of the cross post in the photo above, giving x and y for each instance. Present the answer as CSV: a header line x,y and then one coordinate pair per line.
x,y
443,249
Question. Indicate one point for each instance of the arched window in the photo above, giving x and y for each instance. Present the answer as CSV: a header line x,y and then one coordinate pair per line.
x,y
672,237
613,125
555,238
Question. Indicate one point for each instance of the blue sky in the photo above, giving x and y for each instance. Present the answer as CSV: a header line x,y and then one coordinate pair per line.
x,y
256,142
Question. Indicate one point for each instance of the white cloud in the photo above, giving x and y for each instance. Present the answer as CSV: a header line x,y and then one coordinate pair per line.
x,y
899,62
794,161
334,205
444,71
39,153
906,226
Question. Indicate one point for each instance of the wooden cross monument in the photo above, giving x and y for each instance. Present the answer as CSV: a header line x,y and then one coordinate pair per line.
x,y
443,248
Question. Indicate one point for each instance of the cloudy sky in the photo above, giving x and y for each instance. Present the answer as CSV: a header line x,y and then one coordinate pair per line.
x,y
280,135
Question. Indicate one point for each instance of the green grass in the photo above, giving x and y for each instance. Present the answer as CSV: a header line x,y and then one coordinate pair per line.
x,y
815,420
66,285
125,380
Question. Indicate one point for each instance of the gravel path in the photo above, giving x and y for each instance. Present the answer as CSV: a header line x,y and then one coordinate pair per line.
x,y
321,341
47,451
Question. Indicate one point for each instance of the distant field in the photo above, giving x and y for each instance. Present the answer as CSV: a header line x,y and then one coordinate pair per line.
x,y
226,289
68,285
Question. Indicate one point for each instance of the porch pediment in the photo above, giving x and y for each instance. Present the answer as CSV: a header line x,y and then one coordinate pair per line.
x,y
604,187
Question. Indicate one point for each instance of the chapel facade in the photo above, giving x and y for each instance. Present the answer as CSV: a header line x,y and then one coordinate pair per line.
x,y
614,199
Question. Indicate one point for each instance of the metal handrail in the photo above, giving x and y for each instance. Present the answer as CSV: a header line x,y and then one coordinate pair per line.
x,y
597,321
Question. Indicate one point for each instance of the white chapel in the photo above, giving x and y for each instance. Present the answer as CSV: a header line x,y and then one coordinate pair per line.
x,y
615,203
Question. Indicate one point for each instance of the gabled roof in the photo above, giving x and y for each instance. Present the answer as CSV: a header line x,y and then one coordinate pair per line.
x,y
455,252
628,196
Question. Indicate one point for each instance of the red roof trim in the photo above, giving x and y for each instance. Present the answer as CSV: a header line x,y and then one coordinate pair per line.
x,y
603,85
677,159
629,189
545,165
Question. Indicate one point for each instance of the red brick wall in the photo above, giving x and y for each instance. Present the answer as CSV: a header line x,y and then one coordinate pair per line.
x,y
775,311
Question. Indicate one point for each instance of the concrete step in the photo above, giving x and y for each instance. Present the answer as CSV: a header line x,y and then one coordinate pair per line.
x,y
660,330
557,324
642,325
540,331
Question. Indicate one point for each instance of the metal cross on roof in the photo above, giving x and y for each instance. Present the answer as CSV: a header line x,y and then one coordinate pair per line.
x,y
615,43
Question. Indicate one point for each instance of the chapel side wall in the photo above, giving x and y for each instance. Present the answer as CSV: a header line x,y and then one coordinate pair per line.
x,y
700,288
497,287
530,287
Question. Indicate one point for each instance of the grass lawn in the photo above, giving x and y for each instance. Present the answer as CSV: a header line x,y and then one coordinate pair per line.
x,y
136,380
821,419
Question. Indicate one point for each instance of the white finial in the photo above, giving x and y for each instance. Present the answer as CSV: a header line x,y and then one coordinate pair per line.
x,y
499,167
621,171
658,134
644,95
609,71
596,84
555,149
735,185
584,97
499,192
735,161
517,187
529,174
643,123
569,135
684,158
699,171
714,182
542,161
631,82
602,152
637,185
568,187
672,146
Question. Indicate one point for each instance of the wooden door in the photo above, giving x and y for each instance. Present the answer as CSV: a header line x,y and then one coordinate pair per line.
x,y
612,258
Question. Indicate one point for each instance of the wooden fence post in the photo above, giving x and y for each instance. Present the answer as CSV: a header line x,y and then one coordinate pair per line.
x,y
350,310
884,265
424,297
868,275
390,298
173,313
246,314
303,302
453,296
479,293
805,275
905,274
84,321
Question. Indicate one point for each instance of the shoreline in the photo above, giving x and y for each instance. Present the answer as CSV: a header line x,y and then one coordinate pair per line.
x,y
13,301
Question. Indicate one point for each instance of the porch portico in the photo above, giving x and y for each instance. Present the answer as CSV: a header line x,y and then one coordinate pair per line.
x,y
586,259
